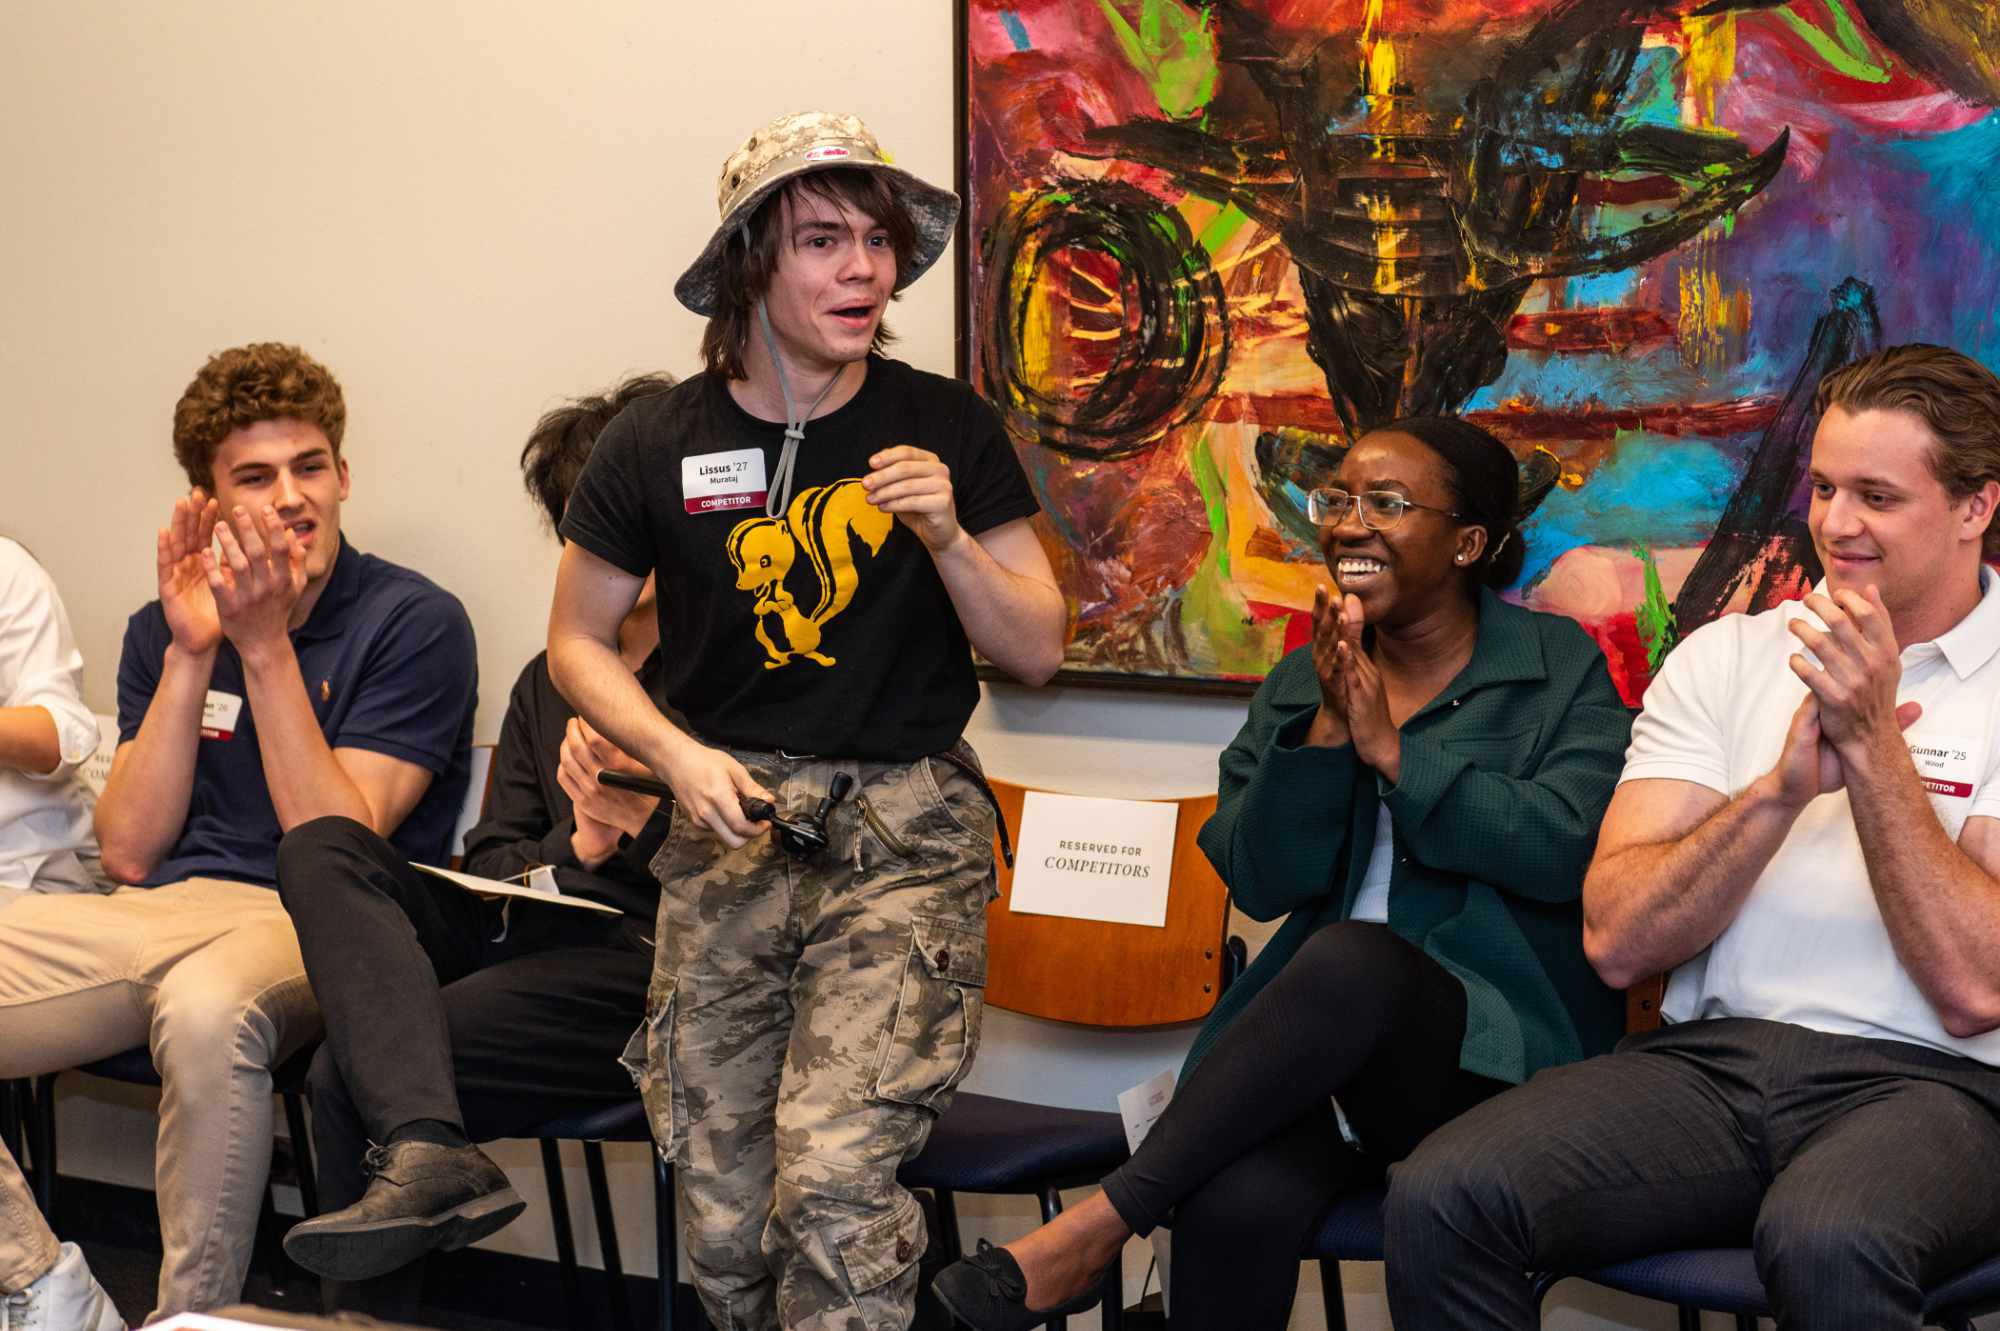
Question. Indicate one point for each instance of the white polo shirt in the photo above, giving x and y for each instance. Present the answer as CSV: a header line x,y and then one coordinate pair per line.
x,y
1808,945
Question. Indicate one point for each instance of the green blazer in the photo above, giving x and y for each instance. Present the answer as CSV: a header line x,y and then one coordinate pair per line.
x,y
1506,774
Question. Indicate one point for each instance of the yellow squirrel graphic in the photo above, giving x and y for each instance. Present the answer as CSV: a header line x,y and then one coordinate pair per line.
x,y
822,519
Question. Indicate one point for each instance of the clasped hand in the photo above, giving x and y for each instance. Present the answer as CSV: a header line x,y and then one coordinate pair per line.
x,y
1354,706
1850,705
246,592
602,812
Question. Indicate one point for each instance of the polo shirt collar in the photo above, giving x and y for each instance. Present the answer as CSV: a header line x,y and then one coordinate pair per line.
x,y
1972,641
343,588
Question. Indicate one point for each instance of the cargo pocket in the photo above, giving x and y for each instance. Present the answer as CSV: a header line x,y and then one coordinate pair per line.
x,y
873,1253
651,1059
936,1032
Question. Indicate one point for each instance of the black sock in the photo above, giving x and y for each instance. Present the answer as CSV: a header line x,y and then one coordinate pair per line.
x,y
433,1130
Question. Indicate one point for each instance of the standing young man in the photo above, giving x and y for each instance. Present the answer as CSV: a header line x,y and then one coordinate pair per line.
x,y
287,677
1807,833
831,532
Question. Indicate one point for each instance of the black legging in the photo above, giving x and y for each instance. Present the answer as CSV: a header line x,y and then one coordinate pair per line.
x,y
1248,1155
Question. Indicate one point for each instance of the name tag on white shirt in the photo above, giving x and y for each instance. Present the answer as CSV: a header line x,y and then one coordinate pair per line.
x,y
1946,764
218,714
717,482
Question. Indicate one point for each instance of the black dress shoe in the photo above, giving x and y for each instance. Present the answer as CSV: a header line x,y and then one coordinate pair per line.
x,y
987,1292
422,1197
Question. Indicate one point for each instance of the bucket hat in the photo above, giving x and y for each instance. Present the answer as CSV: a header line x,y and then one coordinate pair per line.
x,y
791,146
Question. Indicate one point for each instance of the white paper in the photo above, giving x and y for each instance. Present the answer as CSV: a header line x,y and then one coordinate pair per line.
x,y
493,887
1094,859
208,1322
1141,1107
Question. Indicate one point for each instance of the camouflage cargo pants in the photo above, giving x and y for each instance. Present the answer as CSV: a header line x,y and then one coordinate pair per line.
x,y
806,1023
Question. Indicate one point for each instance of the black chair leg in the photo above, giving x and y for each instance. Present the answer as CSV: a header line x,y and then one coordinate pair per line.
x,y
13,1106
947,1209
607,1235
42,1143
572,1282
302,1153
1745,1322
1329,1294
1689,1319
1051,1208
666,1238
268,1253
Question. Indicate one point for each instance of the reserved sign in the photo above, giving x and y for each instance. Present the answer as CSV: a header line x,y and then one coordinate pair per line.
x,y
1094,859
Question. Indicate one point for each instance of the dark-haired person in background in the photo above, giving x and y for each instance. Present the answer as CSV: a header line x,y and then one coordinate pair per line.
x,y
1417,791
281,675
448,1020
1807,833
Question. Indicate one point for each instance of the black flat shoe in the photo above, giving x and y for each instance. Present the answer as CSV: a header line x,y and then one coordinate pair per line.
x,y
987,1292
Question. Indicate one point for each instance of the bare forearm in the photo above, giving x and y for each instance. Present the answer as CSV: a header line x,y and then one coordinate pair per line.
x,y
28,740
1016,622
305,780
1941,909
145,802
1649,907
595,680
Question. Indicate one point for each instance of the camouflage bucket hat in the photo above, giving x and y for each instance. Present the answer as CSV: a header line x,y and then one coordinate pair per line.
x,y
791,146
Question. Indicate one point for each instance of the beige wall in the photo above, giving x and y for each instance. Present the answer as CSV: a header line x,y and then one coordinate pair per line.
x,y
469,211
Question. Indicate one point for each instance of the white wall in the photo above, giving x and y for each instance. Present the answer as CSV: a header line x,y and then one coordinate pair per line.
x,y
469,211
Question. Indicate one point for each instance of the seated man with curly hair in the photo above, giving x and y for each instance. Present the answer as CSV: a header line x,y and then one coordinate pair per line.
x,y
281,676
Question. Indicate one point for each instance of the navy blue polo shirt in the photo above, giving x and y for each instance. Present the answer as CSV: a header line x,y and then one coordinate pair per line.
x,y
389,665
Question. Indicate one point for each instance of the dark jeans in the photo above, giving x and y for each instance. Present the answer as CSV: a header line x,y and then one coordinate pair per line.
x,y
1248,1155
431,1014
1861,1171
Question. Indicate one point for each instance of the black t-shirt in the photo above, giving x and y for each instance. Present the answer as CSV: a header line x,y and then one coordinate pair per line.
x,y
824,630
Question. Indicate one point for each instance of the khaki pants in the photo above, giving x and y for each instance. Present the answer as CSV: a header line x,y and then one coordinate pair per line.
x,y
806,1024
206,973
27,1248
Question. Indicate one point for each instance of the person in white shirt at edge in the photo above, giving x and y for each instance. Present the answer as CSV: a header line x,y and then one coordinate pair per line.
x,y
1807,833
45,733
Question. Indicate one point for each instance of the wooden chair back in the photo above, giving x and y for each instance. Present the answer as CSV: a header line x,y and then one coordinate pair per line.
x,y
1642,1004
1099,974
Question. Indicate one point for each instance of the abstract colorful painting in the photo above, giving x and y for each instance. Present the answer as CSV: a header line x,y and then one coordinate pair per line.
x,y
1213,242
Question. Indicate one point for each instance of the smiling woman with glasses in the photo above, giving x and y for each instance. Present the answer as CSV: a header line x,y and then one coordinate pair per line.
x,y
1416,792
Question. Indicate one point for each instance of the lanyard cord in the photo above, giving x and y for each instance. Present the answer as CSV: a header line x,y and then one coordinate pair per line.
x,y
779,493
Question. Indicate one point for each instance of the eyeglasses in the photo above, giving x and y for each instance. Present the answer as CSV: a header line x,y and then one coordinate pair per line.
x,y
1380,509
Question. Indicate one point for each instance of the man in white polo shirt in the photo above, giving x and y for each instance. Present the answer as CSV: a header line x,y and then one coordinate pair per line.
x,y
1807,834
